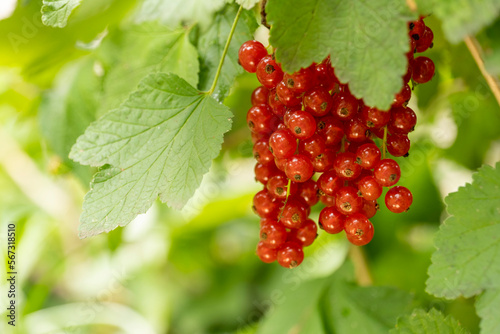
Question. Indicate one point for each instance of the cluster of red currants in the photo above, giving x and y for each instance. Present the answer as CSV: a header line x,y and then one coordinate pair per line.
x,y
308,122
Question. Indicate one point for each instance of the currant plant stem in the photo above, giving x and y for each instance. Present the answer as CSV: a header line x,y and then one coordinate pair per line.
x,y
475,50
226,47
361,270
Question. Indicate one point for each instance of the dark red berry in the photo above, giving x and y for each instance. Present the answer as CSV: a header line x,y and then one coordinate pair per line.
x,y
375,118
277,107
355,130
290,254
387,172
260,96
325,75
312,146
398,199
250,54
368,155
331,130
358,229
308,192
425,40
423,70
269,72
402,121
301,81
302,124
345,106
318,101
323,162
287,96
398,145
331,220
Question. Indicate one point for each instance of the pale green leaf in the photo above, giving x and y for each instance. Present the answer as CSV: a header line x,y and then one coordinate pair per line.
x,y
247,4
211,46
367,41
55,13
461,18
433,322
160,142
468,242
141,50
487,306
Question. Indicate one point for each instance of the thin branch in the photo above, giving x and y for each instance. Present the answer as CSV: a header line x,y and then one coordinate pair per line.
x,y
412,5
361,270
476,51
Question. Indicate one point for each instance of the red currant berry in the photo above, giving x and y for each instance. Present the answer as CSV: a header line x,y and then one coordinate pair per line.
x,y
277,107
250,54
312,146
398,145
370,208
260,96
287,96
331,130
306,234
331,220
281,163
301,81
423,70
261,151
260,119
425,40
302,124
369,188
264,205
273,234
324,161
345,166
347,200
327,200
329,183
290,254
282,144
318,101
387,172
299,168
417,29
308,192
278,187
398,199
269,72
368,155
355,130
345,106
264,172
403,121
375,118
325,75
294,214
266,254
358,229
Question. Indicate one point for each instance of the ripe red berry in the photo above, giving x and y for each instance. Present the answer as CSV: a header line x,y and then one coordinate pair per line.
x,y
278,187
345,166
263,172
369,188
318,101
355,130
398,199
250,54
402,98
294,214
423,70
266,254
345,106
329,183
261,151
277,107
325,75
269,72
403,121
358,229
387,172
287,96
331,130
264,205
306,234
302,124
375,118
282,144
425,40
312,146
347,200
323,162
398,145
308,192
331,220
260,119
299,168
260,96
370,208
290,254
301,81
368,155
273,234
417,29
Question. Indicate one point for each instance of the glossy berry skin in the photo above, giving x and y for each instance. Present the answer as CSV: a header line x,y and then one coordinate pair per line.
x,y
266,254
264,172
312,146
260,119
368,155
403,121
264,205
261,151
331,221
375,118
273,234
425,40
260,95
345,106
387,172
370,208
331,130
423,70
369,188
280,163
398,145
358,229
282,144
345,166
269,72
277,186
299,168
329,183
323,162
325,75
277,107
398,199
306,234
417,29
347,200
302,124
355,130
300,81
327,200
250,54
294,214
290,254
404,95
308,192
318,101
288,97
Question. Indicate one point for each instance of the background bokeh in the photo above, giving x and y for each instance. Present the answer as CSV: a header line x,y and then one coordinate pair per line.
x,y
195,271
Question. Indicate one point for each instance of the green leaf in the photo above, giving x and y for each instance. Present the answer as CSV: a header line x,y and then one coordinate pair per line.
x,y
161,141
140,50
461,18
487,306
247,4
421,322
211,46
367,41
55,13
468,242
